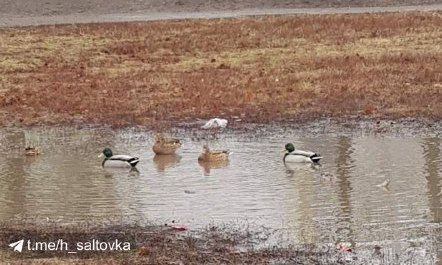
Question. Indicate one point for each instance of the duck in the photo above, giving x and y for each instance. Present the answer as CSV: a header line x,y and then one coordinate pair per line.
x,y
111,160
299,156
208,155
165,146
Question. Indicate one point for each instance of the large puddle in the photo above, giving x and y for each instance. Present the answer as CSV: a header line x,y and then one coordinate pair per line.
x,y
341,201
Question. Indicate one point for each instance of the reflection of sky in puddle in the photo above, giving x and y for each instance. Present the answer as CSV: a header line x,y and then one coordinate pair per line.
x,y
339,201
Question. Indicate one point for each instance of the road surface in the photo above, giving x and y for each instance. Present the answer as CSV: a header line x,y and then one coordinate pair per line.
x,y
41,12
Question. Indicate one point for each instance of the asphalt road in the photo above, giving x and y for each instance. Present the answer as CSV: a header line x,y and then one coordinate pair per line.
x,y
41,12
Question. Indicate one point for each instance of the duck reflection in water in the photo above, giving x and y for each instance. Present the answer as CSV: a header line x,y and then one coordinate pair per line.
x,y
297,169
121,172
162,162
209,165
292,167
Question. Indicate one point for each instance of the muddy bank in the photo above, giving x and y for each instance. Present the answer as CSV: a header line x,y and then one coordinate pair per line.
x,y
158,244
153,244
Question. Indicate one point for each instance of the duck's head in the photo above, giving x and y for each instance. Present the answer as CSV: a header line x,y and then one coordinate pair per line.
x,y
289,147
107,152
159,137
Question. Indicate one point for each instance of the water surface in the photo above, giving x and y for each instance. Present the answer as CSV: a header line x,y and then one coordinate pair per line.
x,y
340,201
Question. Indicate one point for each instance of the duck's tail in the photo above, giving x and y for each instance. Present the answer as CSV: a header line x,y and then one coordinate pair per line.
x,y
134,161
315,158
228,152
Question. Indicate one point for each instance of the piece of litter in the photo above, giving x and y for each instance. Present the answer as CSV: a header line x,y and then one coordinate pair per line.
x,y
384,184
215,123
376,252
178,227
344,247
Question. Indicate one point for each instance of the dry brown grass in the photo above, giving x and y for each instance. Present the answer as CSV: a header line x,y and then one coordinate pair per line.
x,y
262,69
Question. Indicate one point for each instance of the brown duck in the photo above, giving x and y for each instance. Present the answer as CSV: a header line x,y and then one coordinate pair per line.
x,y
213,155
165,146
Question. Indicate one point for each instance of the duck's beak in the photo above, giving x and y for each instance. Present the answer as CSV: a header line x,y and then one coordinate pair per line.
x,y
100,155
283,150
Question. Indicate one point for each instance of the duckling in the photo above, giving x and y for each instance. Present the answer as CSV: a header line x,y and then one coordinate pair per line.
x,y
213,155
111,160
299,156
165,146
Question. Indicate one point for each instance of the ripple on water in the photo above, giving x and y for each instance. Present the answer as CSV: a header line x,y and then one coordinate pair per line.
x,y
340,200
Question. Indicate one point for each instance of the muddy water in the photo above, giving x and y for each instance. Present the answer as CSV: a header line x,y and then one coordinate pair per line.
x,y
340,201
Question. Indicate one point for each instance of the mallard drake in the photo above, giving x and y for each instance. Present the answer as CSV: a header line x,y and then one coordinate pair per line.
x,y
111,160
213,155
32,151
299,156
165,146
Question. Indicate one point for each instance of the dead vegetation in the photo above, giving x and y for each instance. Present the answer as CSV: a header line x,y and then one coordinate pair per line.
x,y
233,243
155,245
260,69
